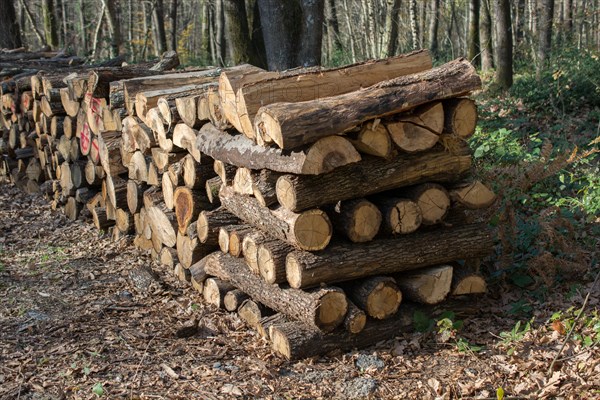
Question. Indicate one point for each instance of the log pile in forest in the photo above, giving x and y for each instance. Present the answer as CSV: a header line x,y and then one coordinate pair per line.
x,y
317,203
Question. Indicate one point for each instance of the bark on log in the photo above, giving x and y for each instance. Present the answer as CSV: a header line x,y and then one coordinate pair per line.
x,y
198,275
310,230
359,219
271,260
225,171
215,291
315,84
343,262
378,296
295,341
234,299
460,117
370,177
210,222
291,125
323,308
356,319
427,285
323,156
252,313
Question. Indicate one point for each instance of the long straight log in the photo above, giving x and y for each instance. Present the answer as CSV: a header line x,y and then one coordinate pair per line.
x,y
344,262
371,176
310,230
323,156
291,125
323,308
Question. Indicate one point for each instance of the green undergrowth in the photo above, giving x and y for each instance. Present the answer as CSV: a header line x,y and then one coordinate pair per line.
x,y
537,146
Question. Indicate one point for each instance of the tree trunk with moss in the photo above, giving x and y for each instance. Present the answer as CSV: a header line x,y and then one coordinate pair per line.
x,y
50,29
10,34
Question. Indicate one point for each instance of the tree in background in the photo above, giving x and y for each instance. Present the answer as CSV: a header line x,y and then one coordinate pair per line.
x,y
546,15
10,34
473,34
50,28
504,46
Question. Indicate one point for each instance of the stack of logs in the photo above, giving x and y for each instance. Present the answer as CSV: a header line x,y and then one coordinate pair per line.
x,y
317,203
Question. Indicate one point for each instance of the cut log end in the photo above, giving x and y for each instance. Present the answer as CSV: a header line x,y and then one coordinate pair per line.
x,y
428,285
412,138
332,310
384,300
461,117
405,217
475,195
434,202
328,154
313,230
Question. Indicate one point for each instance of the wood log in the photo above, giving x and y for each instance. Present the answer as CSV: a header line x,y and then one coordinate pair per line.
x,y
466,282
373,138
474,195
84,195
460,117
135,191
370,177
310,230
343,262
110,154
271,260
168,257
185,137
323,156
190,250
266,322
323,308
225,171
359,220
224,236
252,313
149,99
215,291
314,84
294,340
188,206
154,176
291,125
164,224
168,190
426,285
194,174
213,186
186,107
236,238
399,216
419,130
72,209
138,167
356,319
210,222
198,275
116,191
433,201
378,296
168,111
100,218
229,83
124,221
250,246
234,299
162,159
184,275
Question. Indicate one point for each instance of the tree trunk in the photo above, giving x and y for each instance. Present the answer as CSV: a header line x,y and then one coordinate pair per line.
x,y
545,35
334,26
433,26
50,28
414,24
311,36
113,27
279,20
10,34
173,20
473,36
158,19
237,27
219,37
485,36
504,48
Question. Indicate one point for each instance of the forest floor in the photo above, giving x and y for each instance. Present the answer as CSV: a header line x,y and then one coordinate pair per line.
x,y
75,325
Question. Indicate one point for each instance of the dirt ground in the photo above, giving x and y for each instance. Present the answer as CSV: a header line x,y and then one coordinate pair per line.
x,y
73,325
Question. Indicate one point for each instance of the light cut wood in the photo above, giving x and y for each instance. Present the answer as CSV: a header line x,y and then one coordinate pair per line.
x,y
210,222
378,296
460,117
373,138
399,216
359,219
433,201
215,291
271,260
427,285
474,195
234,299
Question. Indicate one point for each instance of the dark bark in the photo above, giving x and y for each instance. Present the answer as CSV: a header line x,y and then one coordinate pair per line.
x,y
279,20
158,20
219,36
239,35
433,26
485,36
311,34
334,25
414,24
545,34
473,35
114,28
504,48
173,20
82,30
50,29
392,46
10,34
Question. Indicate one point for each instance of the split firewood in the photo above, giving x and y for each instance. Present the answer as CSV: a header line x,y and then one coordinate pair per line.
x,y
213,187
168,257
188,206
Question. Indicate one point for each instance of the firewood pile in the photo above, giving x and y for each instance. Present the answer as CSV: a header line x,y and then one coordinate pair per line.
x,y
319,204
